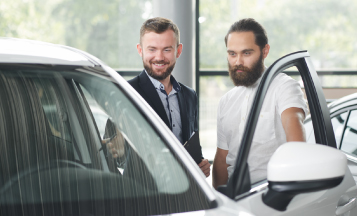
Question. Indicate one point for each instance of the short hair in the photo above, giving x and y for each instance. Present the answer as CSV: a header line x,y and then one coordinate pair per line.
x,y
159,25
250,25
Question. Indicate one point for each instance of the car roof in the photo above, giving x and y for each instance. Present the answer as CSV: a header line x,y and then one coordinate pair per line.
x,y
339,104
343,100
13,50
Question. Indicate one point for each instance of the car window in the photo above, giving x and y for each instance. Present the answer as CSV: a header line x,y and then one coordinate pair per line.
x,y
57,127
337,121
348,143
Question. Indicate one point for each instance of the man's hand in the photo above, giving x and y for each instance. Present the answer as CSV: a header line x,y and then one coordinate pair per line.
x,y
205,166
115,146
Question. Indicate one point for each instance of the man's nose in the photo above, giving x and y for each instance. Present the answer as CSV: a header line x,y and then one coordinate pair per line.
x,y
159,55
239,60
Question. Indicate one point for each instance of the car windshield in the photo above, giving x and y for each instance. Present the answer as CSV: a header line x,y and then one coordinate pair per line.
x,y
72,143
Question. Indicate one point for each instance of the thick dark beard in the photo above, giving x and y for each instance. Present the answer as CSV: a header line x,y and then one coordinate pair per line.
x,y
249,75
163,76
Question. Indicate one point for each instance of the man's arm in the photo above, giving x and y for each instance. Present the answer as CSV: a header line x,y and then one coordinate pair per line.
x,y
220,173
293,123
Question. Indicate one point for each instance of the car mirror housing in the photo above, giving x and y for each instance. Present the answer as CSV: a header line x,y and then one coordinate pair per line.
x,y
299,167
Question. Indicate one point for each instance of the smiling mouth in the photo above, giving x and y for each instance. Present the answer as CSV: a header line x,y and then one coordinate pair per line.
x,y
159,65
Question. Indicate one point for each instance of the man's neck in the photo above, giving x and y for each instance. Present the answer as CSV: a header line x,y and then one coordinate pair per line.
x,y
167,84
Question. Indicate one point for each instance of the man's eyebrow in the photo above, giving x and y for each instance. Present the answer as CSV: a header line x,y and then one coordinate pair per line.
x,y
248,50
168,47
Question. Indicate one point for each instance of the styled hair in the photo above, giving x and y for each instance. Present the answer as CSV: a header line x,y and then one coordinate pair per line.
x,y
250,25
159,25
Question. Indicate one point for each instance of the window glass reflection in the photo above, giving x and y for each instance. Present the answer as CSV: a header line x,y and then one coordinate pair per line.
x,y
350,136
338,123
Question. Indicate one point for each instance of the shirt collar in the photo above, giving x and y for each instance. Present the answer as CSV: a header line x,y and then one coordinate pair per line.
x,y
158,85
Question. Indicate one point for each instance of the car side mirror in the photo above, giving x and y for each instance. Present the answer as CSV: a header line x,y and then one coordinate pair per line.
x,y
299,167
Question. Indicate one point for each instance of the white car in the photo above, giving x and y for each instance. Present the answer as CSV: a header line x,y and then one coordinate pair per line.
x,y
343,114
54,157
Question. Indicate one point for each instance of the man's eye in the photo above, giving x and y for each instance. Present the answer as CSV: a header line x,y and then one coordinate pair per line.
x,y
232,54
247,53
151,50
167,50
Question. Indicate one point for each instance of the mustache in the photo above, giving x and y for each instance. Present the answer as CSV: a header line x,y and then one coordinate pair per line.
x,y
240,67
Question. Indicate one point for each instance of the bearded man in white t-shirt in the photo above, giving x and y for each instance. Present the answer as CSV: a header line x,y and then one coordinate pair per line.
x,y
282,114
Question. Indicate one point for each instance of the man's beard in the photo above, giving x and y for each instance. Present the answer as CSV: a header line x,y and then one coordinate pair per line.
x,y
249,75
160,76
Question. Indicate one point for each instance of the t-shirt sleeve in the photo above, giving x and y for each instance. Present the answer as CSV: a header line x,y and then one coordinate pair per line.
x,y
221,138
289,95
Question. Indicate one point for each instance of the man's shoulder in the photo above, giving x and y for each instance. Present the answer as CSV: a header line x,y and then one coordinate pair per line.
x,y
186,89
282,78
283,82
134,80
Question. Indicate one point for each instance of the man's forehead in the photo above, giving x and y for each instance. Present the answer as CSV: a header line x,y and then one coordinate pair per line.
x,y
168,35
241,41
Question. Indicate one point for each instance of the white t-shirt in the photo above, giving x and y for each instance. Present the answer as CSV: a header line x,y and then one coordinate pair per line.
x,y
233,109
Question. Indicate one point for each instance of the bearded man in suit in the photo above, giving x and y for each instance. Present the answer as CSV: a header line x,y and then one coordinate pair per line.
x,y
175,103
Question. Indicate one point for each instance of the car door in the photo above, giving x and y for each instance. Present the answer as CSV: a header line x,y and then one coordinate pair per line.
x,y
53,160
338,199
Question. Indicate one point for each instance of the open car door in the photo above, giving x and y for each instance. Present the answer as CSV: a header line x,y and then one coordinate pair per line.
x,y
302,179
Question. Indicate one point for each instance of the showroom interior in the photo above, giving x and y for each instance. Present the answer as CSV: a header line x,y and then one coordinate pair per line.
x,y
110,32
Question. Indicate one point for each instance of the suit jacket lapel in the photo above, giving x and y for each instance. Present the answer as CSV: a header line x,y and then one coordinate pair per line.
x,y
151,96
184,116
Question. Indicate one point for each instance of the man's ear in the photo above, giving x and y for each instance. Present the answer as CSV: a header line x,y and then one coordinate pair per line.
x,y
266,50
140,50
179,50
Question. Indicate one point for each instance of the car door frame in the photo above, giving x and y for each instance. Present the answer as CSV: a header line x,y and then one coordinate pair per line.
x,y
349,109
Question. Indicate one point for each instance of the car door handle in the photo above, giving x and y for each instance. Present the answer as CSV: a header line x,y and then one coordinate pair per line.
x,y
346,207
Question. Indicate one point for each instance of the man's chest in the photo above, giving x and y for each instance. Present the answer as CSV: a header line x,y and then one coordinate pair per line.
x,y
235,115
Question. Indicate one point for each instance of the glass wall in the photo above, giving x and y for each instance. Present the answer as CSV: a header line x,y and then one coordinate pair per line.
x,y
326,28
107,29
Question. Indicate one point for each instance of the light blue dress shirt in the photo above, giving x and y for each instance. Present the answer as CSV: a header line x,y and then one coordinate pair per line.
x,y
171,104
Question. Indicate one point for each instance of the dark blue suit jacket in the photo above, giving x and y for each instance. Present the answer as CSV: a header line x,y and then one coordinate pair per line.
x,y
187,98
